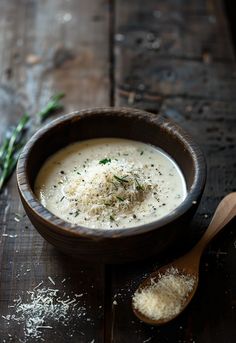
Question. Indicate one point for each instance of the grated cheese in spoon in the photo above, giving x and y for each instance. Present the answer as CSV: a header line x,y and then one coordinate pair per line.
x,y
164,298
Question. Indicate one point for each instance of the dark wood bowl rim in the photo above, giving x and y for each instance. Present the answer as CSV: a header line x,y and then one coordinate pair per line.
x,y
65,228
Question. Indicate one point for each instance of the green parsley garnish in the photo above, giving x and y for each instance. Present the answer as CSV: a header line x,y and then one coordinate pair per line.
x,y
105,161
112,219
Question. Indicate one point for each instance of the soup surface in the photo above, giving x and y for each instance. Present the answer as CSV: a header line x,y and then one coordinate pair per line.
x,y
110,183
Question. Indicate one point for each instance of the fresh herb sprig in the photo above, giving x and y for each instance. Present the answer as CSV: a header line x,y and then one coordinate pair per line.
x,y
10,150
13,142
53,105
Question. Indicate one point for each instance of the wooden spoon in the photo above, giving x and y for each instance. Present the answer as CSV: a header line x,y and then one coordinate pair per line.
x,y
189,263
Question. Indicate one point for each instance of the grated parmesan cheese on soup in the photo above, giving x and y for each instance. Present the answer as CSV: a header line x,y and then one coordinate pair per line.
x,y
110,183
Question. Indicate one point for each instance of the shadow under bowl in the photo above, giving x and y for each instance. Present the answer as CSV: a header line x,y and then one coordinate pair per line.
x,y
118,245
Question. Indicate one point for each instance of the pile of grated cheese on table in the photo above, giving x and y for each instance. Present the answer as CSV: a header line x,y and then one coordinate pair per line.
x,y
163,299
43,309
107,191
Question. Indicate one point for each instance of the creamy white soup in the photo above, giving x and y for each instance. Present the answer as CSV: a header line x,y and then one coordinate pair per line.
x,y
110,183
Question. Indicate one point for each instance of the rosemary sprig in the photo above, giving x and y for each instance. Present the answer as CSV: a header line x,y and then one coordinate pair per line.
x,y
13,142
53,105
10,150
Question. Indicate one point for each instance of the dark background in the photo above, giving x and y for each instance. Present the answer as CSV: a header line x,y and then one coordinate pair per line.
x,y
230,7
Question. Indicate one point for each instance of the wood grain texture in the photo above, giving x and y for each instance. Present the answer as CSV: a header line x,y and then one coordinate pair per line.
x,y
176,58
65,39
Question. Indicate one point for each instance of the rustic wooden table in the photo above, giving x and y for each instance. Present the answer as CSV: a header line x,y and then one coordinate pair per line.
x,y
173,57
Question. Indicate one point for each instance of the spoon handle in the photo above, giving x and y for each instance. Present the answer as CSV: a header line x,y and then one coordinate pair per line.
x,y
225,211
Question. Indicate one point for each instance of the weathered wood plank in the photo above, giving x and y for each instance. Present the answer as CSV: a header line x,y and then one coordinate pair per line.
x,y
164,29
185,42
47,47
189,77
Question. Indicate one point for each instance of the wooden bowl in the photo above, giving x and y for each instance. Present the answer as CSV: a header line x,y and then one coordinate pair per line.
x,y
119,245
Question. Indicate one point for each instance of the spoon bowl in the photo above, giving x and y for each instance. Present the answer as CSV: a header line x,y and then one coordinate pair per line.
x,y
155,276
189,263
